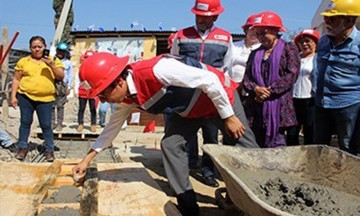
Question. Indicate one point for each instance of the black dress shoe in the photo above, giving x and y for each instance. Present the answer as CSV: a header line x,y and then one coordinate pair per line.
x,y
210,181
187,203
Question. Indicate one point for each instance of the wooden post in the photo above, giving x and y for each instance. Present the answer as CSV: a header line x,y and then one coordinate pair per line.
x,y
4,74
61,23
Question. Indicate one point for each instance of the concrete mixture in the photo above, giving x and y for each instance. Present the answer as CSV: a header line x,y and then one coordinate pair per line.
x,y
60,212
302,198
66,194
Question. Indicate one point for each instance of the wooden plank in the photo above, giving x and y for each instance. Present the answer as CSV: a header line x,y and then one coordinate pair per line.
x,y
66,169
69,161
63,180
23,185
69,132
128,189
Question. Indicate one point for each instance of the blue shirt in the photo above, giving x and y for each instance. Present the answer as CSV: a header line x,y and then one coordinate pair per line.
x,y
68,70
337,72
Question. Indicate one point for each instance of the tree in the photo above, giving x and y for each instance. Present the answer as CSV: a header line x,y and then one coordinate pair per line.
x,y
58,6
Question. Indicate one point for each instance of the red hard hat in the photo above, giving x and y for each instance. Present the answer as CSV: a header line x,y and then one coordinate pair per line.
x,y
207,8
249,22
170,40
310,32
269,19
98,71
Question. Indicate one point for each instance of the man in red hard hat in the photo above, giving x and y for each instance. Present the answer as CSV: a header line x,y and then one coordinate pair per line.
x,y
189,91
213,46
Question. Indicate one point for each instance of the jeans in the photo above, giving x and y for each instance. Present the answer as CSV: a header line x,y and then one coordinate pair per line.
x,y
103,110
345,122
82,106
43,111
5,140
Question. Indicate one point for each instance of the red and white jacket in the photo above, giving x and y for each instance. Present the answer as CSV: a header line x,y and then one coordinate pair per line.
x,y
214,48
165,84
155,96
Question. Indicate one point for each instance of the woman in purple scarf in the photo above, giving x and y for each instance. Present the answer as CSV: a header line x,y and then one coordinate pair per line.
x,y
270,74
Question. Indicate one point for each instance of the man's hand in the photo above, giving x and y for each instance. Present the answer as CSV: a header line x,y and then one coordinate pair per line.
x,y
79,171
234,127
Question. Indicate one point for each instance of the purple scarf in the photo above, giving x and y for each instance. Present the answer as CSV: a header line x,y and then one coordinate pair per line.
x,y
271,107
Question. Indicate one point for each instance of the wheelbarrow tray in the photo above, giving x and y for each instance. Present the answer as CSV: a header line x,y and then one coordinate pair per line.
x,y
317,164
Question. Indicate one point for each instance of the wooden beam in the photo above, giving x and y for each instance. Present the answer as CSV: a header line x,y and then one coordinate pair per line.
x,y
128,189
4,73
61,23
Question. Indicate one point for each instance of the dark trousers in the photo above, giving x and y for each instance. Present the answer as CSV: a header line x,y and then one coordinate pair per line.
x,y
43,111
210,135
181,130
57,114
305,115
82,106
345,122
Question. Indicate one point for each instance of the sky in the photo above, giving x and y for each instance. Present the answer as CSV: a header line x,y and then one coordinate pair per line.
x,y
35,17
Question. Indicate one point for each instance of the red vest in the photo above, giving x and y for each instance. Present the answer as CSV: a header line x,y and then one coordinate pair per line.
x,y
210,51
150,91
83,93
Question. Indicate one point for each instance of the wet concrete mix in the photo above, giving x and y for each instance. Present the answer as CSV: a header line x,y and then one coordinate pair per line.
x,y
303,198
60,212
65,194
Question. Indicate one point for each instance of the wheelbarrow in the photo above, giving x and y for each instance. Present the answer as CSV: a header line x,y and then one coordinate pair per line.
x,y
243,170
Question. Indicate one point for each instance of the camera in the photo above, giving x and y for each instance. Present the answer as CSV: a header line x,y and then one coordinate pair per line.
x,y
46,53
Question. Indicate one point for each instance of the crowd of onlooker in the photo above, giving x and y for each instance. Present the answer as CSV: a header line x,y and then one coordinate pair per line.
x,y
308,86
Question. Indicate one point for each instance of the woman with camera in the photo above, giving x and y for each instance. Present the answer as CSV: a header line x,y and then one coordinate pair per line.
x,y
32,90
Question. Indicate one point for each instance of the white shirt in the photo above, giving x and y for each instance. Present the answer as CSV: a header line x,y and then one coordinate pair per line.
x,y
240,56
303,84
227,58
170,72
